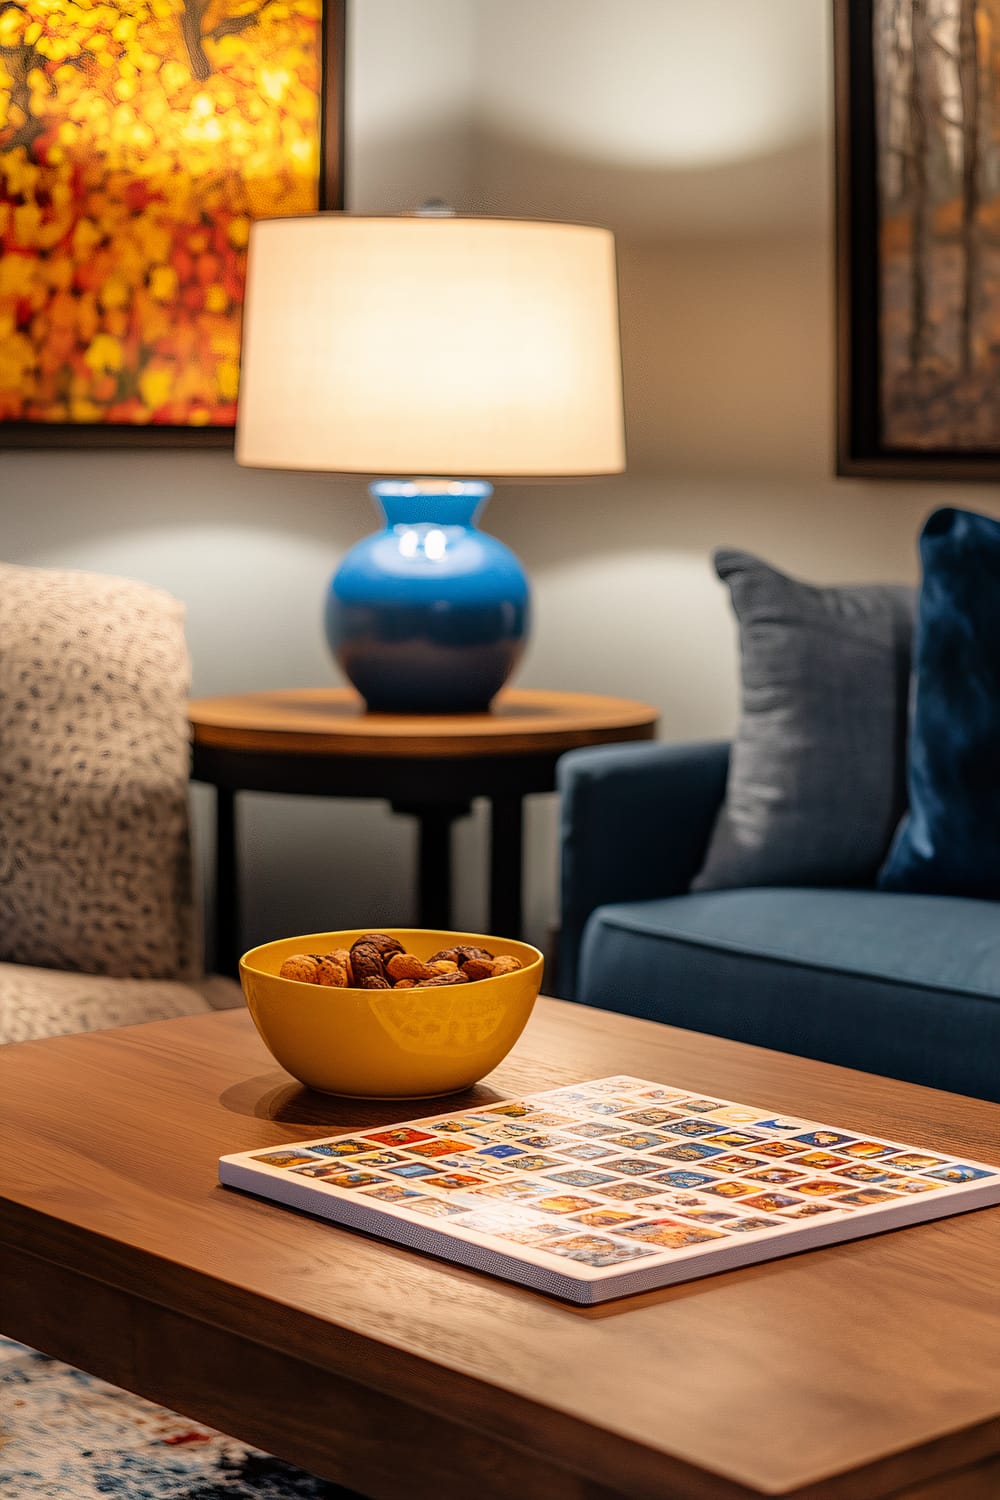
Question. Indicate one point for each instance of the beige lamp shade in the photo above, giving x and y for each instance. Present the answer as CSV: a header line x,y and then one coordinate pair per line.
x,y
442,345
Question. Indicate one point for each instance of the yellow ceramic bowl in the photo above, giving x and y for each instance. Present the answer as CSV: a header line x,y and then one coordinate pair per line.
x,y
389,1044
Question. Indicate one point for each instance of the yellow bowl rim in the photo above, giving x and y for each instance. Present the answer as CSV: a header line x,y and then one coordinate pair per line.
x,y
481,939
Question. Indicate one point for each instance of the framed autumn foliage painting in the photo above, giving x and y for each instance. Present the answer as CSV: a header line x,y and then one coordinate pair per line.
x,y
138,140
918,224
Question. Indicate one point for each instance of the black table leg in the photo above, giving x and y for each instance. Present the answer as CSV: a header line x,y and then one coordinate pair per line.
x,y
506,854
434,868
227,892
434,823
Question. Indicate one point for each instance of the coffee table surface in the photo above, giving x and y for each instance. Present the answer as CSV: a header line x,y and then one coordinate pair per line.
x,y
865,1369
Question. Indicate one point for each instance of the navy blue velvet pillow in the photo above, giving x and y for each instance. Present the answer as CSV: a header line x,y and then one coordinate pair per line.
x,y
949,841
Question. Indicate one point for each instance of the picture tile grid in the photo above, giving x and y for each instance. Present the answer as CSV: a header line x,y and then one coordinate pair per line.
x,y
696,1219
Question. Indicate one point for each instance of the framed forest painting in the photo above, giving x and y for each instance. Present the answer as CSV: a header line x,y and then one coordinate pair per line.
x,y
918,228
138,140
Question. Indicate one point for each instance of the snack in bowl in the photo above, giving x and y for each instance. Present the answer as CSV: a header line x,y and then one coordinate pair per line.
x,y
408,1013
376,961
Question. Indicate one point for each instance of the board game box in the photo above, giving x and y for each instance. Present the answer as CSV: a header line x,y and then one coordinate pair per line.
x,y
613,1186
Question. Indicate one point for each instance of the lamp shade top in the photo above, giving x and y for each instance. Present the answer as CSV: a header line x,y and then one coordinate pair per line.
x,y
431,345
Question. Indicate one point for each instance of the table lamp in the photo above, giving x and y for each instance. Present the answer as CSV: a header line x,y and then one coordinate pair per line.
x,y
442,345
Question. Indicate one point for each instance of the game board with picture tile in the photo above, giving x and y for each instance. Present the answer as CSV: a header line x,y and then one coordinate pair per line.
x,y
612,1186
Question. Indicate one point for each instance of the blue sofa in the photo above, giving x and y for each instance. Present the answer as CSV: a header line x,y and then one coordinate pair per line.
x,y
903,985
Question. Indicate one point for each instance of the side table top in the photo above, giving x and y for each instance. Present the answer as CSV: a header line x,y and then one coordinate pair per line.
x,y
335,721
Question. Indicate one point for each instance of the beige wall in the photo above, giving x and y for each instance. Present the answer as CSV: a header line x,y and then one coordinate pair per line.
x,y
701,133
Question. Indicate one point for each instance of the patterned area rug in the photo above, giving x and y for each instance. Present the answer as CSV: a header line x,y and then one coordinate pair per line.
x,y
65,1435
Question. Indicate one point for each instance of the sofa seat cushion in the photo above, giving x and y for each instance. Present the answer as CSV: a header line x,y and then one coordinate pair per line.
x,y
50,1002
903,985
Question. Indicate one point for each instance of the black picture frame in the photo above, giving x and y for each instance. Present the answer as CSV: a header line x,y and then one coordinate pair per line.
x,y
861,448
16,434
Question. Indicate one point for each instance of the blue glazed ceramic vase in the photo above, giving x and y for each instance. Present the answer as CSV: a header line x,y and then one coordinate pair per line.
x,y
429,615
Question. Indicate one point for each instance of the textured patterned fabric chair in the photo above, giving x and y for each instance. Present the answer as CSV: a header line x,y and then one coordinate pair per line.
x,y
98,922
98,927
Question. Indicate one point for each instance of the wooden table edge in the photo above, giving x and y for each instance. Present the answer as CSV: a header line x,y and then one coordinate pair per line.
x,y
559,1441
569,1449
238,738
567,1446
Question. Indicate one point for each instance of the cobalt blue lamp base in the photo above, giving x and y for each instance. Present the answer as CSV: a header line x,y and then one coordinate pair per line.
x,y
429,615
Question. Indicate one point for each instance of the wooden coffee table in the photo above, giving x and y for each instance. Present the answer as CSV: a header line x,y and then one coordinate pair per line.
x,y
861,1370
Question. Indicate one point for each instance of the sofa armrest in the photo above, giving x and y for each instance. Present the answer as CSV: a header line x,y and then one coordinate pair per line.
x,y
634,824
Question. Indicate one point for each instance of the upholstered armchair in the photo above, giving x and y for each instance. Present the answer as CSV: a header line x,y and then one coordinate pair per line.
x,y
98,921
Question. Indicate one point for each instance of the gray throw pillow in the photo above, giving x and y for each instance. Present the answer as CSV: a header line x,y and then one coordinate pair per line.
x,y
816,780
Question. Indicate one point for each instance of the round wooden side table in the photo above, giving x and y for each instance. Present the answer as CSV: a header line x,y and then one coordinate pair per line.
x,y
323,742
